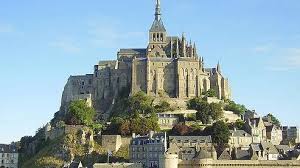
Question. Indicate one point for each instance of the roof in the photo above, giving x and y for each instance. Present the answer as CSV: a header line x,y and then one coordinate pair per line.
x,y
8,148
264,146
203,139
239,133
204,154
225,155
284,147
157,26
268,146
133,51
242,154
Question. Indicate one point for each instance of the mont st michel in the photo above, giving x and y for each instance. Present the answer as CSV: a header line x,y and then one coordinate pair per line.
x,y
159,106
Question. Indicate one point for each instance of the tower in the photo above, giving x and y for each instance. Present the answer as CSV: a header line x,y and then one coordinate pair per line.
x,y
157,32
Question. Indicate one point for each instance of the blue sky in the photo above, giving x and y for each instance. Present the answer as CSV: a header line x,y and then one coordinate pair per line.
x,y
42,43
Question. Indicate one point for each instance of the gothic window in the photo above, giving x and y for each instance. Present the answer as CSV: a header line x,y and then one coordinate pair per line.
x,y
161,37
157,36
153,36
82,83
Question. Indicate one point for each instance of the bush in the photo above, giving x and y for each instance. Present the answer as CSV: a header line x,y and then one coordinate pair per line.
x,y
235,108
80,113
181,129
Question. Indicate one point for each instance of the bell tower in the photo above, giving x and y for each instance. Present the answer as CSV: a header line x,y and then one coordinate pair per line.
x,y
157,32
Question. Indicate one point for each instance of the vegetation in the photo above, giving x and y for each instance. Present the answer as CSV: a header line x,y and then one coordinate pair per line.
x,y
238,124
219,132
274,120
181,129
210,93
235,108
136,124
163,106
205,111
81,114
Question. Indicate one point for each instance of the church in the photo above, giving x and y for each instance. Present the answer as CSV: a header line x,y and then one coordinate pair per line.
x,y
168,67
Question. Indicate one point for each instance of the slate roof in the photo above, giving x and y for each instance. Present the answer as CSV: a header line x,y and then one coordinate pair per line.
x,y
239,133
225,155
8,149
264,146
242,155
157,26
133,50
204,139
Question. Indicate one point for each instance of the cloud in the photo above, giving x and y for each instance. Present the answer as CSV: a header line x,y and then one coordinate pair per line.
x,y
66,45
110,34
6,28
289,59
263,48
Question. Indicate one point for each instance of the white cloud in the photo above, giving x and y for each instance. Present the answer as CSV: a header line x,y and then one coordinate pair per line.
x,y
263,48
289,59
66,45
109,34
6,28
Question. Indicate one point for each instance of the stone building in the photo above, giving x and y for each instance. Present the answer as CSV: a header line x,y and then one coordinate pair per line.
x,y
190,147
168,66
239,139
291,133
256,128
147,149
8,156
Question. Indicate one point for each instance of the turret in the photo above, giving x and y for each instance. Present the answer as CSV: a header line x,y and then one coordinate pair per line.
x,y
183,46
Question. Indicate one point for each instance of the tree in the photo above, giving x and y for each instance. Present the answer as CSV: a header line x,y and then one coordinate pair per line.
x,y
125,128
80,113
205,111
181,129
220,133
210,93
141,103
216,111
236,108
273,119
163,106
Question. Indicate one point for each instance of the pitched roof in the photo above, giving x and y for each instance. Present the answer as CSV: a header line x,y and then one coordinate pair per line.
x,y
239,133
204,139
225,155
268,146
133,51
242,154
157,26
8,148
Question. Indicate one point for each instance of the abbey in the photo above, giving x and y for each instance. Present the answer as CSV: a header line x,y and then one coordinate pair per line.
x,y
168,67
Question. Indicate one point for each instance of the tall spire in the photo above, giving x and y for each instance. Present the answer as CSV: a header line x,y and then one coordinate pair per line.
x,y
157,10
219,67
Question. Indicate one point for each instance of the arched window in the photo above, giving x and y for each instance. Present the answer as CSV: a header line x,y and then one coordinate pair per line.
x,y
154,38
161,37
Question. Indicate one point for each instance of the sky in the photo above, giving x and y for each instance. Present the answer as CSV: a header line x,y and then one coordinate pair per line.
x,y
42,43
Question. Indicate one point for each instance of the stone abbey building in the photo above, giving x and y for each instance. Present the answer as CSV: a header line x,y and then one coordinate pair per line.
x,y
168,67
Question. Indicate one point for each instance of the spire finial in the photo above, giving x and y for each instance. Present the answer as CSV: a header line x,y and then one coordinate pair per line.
x,y
157,10
219,67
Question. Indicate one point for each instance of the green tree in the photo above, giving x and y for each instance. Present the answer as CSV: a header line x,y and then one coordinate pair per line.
x,y
163,106
80,113
141,103
216,111
220,133
210,93
234,107
274,120
205,111
239,124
